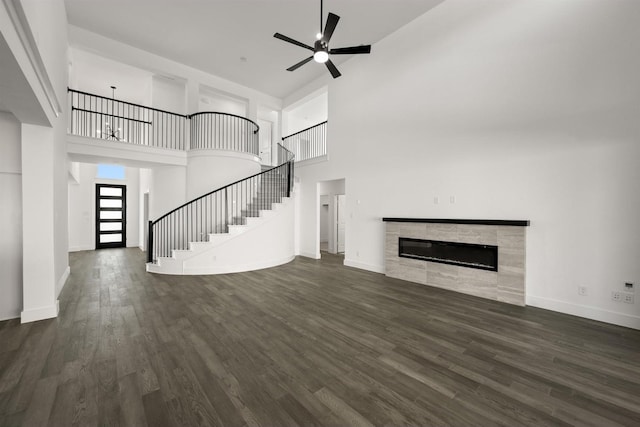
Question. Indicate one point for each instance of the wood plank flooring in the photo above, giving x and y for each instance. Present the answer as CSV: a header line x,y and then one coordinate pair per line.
x,y
309,343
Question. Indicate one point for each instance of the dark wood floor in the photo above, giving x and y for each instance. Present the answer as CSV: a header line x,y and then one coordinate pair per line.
x,y
308,343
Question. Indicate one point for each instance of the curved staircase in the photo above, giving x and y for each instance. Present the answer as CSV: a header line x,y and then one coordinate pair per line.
x,y
243,226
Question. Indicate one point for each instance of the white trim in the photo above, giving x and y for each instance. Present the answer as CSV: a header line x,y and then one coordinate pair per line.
x,y
63,280
364,266
154,268
93,248
13,316
89,150
594,313
23,30
216,152
239,268
81,248
41,313
310,255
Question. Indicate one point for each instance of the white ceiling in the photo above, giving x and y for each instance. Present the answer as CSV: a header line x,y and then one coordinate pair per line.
x,y
213,35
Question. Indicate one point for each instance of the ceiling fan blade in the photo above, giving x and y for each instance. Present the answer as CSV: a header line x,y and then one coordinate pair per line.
x,y
350,50
332,21
292,41
300,64
332,68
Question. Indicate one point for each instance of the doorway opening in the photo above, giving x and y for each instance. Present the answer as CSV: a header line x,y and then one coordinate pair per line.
x,y
332,216
266,140
340,215
111,216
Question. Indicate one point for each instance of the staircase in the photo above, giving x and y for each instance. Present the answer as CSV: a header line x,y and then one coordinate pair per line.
x,y
243,226
270,188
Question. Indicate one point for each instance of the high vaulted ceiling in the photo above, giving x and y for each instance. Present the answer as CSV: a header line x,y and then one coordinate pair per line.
x,y
234,39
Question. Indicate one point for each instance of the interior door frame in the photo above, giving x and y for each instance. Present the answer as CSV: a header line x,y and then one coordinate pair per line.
x,y
122,243
268,161
337,213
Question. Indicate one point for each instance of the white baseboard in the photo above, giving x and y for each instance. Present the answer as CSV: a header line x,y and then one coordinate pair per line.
x,y
239,268
310,255
40,313
364,266
226,269
81,248
63,280
93,248
593,313
9,317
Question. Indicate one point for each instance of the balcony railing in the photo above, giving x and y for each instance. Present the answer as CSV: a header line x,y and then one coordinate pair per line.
x,y
309,143
111,119
224,131
96,116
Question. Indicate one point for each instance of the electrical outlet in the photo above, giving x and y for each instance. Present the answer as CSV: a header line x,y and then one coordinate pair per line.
x,y
627,297
582,290
616,296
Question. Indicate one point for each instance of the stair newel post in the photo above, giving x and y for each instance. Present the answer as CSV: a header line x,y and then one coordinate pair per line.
x,y
150,243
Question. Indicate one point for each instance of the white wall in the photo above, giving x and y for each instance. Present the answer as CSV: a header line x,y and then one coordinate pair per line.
x,y
95,74
82,207
208,170
10,218
196,80
45,169
169,95
145,187
168,190
211,100
519,110
306,113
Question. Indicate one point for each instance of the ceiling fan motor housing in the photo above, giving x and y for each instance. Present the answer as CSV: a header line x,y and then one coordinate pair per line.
x,y
320,45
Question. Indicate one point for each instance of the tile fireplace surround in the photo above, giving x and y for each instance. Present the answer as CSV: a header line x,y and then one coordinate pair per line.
x,y
506,285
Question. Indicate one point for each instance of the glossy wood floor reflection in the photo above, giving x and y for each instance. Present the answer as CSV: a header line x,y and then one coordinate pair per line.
x,y
309,343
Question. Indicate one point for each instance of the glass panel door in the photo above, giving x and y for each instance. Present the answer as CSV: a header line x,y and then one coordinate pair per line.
x,y
111,216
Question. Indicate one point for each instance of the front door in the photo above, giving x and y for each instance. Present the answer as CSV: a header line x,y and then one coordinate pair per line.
x,y
111,216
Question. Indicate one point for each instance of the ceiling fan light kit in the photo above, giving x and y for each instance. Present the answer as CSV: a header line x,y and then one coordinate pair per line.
x,y
321,56
320,49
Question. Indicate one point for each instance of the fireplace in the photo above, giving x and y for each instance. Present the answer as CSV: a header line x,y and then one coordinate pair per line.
x,y
416,250
483,257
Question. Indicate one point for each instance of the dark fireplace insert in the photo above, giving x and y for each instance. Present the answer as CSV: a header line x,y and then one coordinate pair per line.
x,y
483,257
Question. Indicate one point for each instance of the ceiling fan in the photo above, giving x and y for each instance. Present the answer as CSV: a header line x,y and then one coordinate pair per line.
x,y
321,49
